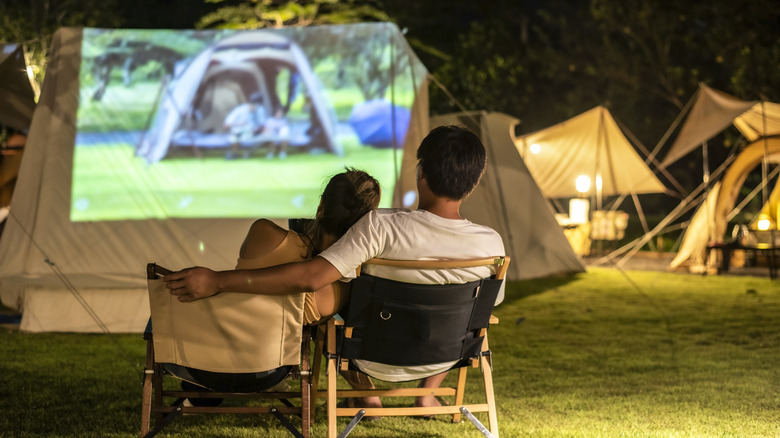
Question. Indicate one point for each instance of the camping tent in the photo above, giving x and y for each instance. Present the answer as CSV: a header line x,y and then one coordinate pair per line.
x,y
759,123
589,144
710,221
89,276
509,201
711,112
16,93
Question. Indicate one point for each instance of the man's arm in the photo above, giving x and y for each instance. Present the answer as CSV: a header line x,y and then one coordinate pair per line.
x,y
195,283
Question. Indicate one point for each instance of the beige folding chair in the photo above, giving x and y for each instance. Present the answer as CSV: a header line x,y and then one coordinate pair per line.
x,y
160,350
405,324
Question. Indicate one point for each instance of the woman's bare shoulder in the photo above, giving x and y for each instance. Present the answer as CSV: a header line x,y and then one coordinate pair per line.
x,y
263,237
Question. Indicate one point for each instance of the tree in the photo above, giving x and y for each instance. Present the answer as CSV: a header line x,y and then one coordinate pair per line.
x,y
32,23
256,14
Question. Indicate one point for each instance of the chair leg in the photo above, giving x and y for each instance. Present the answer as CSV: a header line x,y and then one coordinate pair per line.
x,y
460,390
146,402
306,383
487,375
332,373
319,339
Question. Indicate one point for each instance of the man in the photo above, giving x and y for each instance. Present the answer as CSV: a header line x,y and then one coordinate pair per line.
x,y
451,161
243,122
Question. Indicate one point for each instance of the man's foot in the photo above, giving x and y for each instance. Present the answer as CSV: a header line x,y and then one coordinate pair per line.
x,y
426,401
365,403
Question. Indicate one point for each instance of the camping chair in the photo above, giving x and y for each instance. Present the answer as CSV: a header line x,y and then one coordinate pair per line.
x,y
154,394
384,322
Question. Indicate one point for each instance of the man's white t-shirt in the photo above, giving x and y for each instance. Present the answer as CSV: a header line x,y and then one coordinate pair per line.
x,y
402,234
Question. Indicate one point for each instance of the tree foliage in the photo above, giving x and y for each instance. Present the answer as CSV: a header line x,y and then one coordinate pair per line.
x,y
544,62
32,23
255,14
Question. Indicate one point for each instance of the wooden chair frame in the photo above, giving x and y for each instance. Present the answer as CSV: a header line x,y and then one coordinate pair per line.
x,y
153,403
327,340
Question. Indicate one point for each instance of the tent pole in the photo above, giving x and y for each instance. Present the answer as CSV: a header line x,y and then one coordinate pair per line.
x,y
631,248
391,72
652,160
765,159
765,180
676,122
642,217
752,194
681,208
596,177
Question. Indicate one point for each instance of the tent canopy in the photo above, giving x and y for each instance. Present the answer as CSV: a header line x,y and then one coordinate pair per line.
x,y
589,144
712,112
16,93
761,120
509,201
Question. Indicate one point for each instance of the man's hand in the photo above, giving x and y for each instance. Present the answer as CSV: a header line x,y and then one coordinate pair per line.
x,y
192,283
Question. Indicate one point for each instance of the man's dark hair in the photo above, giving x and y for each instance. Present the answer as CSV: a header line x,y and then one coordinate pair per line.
x,y
452,159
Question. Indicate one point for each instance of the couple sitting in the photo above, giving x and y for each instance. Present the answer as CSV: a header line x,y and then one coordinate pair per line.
x,y
451,161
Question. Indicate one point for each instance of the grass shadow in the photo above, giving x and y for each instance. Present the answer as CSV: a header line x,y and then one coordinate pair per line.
x,y
521,289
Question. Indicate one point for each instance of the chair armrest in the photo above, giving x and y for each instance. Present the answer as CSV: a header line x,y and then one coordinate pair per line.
x,y
493,319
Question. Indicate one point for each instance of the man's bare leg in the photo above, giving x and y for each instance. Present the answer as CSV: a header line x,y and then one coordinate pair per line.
x,y
358,380
429,382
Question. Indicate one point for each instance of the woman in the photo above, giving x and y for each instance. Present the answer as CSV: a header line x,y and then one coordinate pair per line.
x,y
346,198
248,343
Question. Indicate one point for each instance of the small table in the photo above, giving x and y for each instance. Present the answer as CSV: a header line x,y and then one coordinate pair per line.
x,y
772,252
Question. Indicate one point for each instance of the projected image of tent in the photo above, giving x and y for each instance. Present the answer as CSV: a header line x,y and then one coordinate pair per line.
x,y
195,106
509,201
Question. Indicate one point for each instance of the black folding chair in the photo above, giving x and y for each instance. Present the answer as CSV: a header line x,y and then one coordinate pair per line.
x,y
404,324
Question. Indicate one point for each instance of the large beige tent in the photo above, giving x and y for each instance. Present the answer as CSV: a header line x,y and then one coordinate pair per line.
x,y
759,123
89,276
509,201
589,144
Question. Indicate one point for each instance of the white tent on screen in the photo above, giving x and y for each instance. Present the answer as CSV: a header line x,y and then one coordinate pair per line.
x,y
509,201
228,73
89,276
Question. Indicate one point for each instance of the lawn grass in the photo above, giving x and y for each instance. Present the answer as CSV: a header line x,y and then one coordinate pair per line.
x,y
601,354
